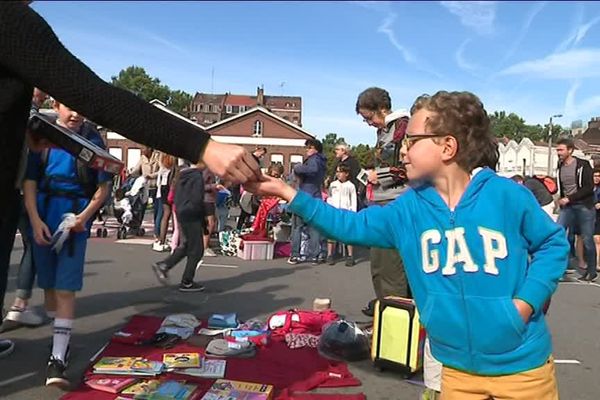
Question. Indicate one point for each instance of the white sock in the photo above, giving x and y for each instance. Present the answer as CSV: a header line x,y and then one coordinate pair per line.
x,y
51,314
62,335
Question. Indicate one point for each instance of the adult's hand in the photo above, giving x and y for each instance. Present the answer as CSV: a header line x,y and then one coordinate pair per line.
x,y
231,162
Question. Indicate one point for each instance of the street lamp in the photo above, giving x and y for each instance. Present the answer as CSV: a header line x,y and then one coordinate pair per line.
x,y
550,143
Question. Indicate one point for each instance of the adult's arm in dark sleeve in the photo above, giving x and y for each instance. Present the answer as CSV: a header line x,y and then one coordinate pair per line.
x,y
587,184
30,50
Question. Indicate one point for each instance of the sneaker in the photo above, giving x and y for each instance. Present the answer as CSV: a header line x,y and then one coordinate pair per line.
x,y
587,278
6,348
293,260
316,261
369,310
158,247
161,272
56,374
191,287
25,317
209,253
350,261
330,260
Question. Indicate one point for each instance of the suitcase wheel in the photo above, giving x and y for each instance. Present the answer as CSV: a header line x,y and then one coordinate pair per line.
x,y
104,232
99,232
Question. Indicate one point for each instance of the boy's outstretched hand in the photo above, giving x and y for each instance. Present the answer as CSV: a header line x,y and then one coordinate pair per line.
x,y
232,163
269,186
524,309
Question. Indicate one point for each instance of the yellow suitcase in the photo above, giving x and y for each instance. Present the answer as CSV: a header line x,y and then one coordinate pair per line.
x,y
398,338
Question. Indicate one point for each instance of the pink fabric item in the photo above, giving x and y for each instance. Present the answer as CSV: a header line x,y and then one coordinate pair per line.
x,y
283,249
175,237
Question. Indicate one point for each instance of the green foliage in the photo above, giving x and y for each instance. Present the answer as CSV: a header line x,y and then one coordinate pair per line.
x,y
136,80
514,127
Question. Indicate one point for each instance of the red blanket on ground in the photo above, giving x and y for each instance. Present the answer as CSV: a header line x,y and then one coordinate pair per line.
x,y
289,371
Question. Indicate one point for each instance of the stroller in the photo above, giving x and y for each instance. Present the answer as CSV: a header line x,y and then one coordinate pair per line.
x,y
129,207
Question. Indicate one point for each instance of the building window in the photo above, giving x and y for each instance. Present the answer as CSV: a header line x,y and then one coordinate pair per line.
x,y
258,128
116,152
242,109
228,108
133,156
211,108
296,120
295,159
287,105
206,107
277,158
235,109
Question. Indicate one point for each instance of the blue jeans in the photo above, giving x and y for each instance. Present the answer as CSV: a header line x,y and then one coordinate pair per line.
x,y
578,218
157,205
26,275
314,241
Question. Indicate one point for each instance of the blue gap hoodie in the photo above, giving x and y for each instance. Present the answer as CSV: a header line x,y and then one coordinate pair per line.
x,y
312,174
465,266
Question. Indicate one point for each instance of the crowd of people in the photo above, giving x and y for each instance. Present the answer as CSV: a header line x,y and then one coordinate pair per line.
x,y
478,252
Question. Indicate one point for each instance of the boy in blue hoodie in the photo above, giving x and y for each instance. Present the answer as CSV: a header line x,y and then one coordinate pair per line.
x,y
481,256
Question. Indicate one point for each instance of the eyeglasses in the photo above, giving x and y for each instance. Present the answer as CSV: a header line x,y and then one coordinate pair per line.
x,y
368,118
409,140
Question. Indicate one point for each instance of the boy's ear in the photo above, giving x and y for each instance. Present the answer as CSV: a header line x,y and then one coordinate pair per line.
x,y
450,148
55,105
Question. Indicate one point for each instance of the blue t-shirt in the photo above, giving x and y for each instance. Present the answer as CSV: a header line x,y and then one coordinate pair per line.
x,y
60,174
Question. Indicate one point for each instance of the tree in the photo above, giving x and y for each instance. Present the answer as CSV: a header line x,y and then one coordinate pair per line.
x,y
329,142
179,101
136,80
513,127
364,154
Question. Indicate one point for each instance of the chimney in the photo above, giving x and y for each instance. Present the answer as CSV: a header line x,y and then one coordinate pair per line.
x,y
260,96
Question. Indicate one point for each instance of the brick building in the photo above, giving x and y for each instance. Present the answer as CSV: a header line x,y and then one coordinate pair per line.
x,y
254,127
207,109
258,126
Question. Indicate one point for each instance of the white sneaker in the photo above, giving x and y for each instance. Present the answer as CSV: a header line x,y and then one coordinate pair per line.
x,y
25,317
161,248
209,253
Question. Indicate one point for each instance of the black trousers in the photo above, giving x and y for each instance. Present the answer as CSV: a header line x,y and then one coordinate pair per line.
x,y
191,246
9,219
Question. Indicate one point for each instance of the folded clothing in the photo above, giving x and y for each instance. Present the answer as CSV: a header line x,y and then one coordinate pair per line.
x,y
223,348
223,321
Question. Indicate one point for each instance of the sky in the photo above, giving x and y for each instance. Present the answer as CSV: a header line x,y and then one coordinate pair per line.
x,y
536,59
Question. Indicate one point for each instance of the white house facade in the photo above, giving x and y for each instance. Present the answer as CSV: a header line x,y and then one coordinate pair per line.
x,y
528,158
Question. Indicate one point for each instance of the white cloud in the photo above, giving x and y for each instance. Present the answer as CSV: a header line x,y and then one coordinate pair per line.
x,y
579,33
476,15
535,10
460,58
572,64
586,107
386,29
407,55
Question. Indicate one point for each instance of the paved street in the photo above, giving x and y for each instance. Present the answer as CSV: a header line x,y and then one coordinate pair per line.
x,y
119,283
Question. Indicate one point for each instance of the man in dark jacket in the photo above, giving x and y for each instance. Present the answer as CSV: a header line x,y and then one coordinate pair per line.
x,y
577,213
311,174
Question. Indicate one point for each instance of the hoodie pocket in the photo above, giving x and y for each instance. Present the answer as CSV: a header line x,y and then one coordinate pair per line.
x,y
496,325
444,320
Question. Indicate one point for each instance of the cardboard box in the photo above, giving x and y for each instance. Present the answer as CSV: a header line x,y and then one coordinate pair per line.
x,y
256,250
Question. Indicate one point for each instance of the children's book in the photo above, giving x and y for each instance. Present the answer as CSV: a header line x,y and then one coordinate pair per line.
x,y
142,388
224,389
128,366
213,369
110,385
182,360
172,390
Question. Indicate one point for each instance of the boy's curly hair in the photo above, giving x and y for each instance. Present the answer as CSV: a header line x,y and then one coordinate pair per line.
x,y
461,115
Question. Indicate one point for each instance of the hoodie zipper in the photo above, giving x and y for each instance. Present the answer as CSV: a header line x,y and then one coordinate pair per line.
x,y
462,296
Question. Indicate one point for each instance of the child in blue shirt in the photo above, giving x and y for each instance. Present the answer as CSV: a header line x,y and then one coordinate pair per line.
x,y
481,256
54,186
